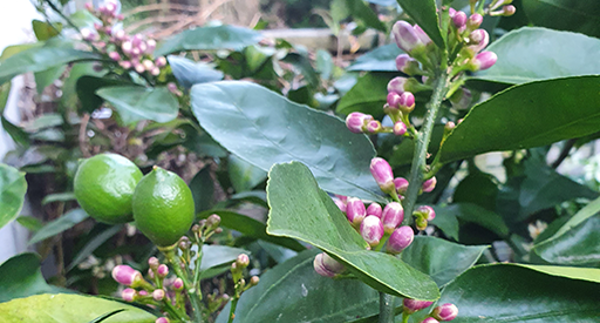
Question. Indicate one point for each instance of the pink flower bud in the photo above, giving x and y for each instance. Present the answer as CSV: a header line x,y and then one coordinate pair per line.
x,y
158,295
151,273
151,46
119,35
340,204
401,185
430,320
447,128
120,16
98,26
426,211
114,56
108,30
392,216
474,21
126,275
373,126
136,40
407,102
143,48
326,266
460,20
89,6
413,305
111,8
162,320
242,260
128,294
135,52
429,185
162,271
509,10
445,312
125,64
173,89
140,68
405,36
374,209
356,121
371,229
407,64
423,37
399,129
355,211
483,61
451,12
393,100
153,262
127,47
161,61
178,284
397,85
400,239
382,173
148,65
88,34
480,39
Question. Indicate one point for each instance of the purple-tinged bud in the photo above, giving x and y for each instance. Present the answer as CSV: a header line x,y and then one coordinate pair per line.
x,y
173,89
396,85
413,305
483,61
340,204
451,12
509,10
125,64
429,185
162,320
135,52
143,293
355,211
400,239
480,39
161,61
151,46
393,100
407,102
88,34
371,229
213,221
98,26
460,20
127,47
374,126
158,295
136,40
405,36
242,260
426,211
126,275
383,174
430,320
474,21
401,185
153,262
461,99
139,67
356,121
108,30
402,60
423,37
119,35
447,129
143,47
392,216
445,312
111,8
399,129
150,273
374,209
89,6
407,65
114,56
326,266
120,16
162,271
178,284
129,294
148,64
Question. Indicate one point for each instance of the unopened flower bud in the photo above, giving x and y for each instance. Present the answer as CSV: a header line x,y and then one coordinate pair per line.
x,y
242,260
401,185
98,26
326,266
499,3
447,129
451,12
119,35
383,174
407,64
120,16
429,185
399,128
139,67
161,61
213,221
406,37
143,293
400,239
430,320
89,6
393,100
153,262
162,320
392,216
254,280
114,56
135,52
125,64
173,89
88,34
445,312
178,284
126,275
459,20
356,121
483,61
111,8
371,229
479,39
413,305
158,295
355,211
136,40
126,47
374,209
423,37
374,126
151,46
148,65
129,294
506,11
407,102
421,224
397,85
474,21
426,211
150,273
162,271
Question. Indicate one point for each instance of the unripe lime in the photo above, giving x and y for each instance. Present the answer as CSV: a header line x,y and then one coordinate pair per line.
x,y
104,185
163,207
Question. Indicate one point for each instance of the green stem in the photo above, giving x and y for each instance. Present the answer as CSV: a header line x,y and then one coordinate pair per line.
x,y
405,317
232,310
173,311
386,308
192,292
419,161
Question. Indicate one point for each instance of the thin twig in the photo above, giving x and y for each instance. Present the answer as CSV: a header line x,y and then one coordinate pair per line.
x,y
83,135
564,153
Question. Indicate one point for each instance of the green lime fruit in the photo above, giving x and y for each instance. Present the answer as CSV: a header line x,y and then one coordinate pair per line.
x,y
163,207
104,185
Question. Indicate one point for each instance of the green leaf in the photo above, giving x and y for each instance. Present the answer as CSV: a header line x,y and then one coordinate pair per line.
x,y
236,113
324,64
251,228
20,276
68,308
293,292
299,209
54,52
533,54
582,215
244,176
44,31
203,190
188,72
574,15
368,95
472,213
442,260
361,12
4,93
477,188
381,59
58,197
45,78
136,103
93,244
65,222
209,38
424,13
512,293
527,115
88,85
402,153
447,222
12,193
16,133
31,223
84,19
302,64
214,255
69,97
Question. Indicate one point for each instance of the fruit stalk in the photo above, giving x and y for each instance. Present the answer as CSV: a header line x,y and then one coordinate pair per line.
x,y
191,290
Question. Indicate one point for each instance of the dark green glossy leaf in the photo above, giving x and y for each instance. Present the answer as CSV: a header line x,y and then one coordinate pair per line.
x,y
45,78
533,54
587,274
20,276
65,222
477,188
203,190
293,194
188,72
244,176
381,59
585,213
136,103
68,308
16,133
236,113
209,38
93,244
424,13
86,87
472,213
12,193
368,95
528,115
293,292
58,197
511,293
442,260
447,222
574,15
278,253
214,255
44,31
251,228
69,97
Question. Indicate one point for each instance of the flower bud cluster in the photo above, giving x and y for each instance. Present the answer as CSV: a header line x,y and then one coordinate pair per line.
x,y
141,290
237,271
207,228
423,214
443,313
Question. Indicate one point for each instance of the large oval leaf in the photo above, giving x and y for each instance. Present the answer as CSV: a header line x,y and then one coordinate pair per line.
x,y
68,308
188,72
20,276
135,103
299,209
12,193
209,38
368,95
424,13
265,128
294,293
574,15
528,115
531,54
65,222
